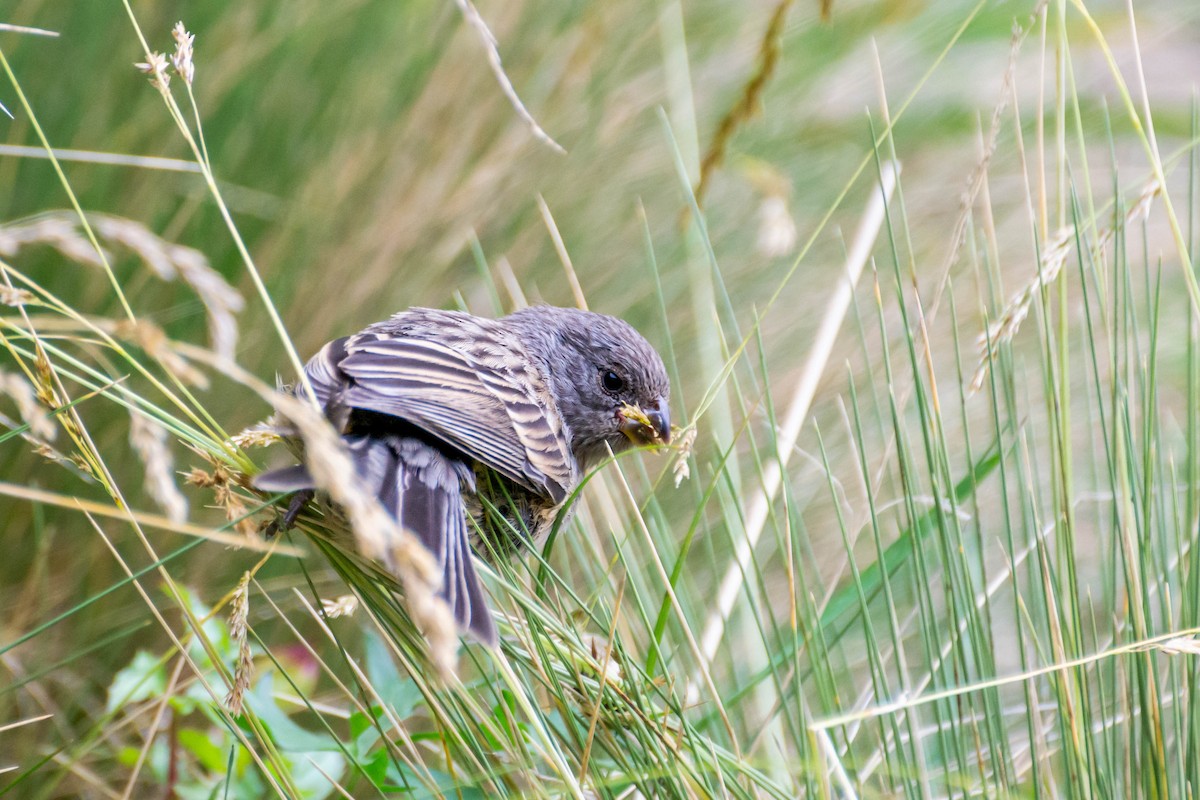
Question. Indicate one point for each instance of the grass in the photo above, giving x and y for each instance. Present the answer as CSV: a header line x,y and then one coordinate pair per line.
x,y
937,534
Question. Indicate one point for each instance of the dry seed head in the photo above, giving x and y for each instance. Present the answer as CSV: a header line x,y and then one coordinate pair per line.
x,y
170,261
687,440
342,606
44,381
54,456
181,59
31,411
239,613
198,477
1053,259
167,260
1181,645
222,482
58,229
605,657
149,441
155,66
153,340
776,229
260,435
11,296
1003,330
637,415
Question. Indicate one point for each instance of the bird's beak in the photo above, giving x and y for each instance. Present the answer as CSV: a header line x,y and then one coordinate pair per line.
x,y
646,426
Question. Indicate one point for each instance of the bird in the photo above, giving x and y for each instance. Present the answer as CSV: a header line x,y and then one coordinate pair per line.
x,y
475,432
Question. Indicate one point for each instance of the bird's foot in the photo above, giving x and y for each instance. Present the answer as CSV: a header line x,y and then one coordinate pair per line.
x,y
287,519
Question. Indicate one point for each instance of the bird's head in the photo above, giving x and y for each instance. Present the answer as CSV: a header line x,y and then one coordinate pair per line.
x,y
610,383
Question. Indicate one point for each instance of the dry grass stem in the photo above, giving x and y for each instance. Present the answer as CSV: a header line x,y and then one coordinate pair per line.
x,y
149,441
563,256
493,53
10,28
759,505
141,518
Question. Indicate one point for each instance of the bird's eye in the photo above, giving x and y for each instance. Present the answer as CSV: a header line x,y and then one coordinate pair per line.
x,y
612,382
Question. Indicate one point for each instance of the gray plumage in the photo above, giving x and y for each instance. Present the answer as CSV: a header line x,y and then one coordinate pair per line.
x,y
448,415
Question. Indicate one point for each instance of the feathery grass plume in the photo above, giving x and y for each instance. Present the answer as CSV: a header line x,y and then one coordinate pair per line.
x,y
376,533
181,59
167,260
57,229
155,66
1054,255
154,341
170,261
149,441
239,613
31,411
340,606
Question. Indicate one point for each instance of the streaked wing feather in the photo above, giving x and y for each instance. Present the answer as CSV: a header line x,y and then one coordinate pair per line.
x,y
488,411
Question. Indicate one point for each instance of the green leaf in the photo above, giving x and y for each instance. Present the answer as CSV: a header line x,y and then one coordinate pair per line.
x,y
145,677
285,733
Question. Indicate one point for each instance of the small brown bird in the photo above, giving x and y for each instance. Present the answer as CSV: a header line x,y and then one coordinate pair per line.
x,y
448,416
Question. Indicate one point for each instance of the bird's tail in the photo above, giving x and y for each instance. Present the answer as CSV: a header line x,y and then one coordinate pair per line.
x,y
422,489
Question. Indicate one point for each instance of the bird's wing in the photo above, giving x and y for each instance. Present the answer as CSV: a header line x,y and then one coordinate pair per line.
x,y
478,394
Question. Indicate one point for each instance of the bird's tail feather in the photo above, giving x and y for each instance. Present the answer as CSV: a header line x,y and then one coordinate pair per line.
x,y
422,490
